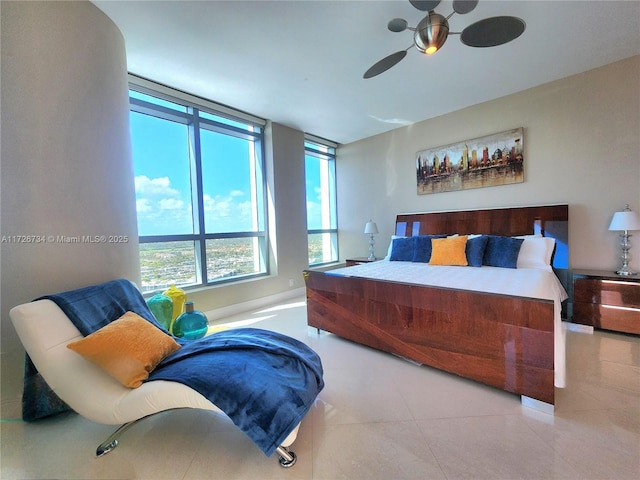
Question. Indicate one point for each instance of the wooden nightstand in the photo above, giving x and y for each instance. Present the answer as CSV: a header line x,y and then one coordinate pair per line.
x,y
605,300
359,260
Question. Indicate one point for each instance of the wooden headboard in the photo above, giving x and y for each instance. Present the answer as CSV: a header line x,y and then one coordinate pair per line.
x,y
548,220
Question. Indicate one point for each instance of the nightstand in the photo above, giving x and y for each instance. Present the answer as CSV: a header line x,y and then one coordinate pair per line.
x,y
605,300
359,260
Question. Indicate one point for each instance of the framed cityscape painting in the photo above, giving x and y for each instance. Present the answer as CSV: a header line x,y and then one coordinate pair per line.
x,y
496,159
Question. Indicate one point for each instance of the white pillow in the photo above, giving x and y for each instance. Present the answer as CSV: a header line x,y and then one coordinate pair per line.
x,y
535,252
535,235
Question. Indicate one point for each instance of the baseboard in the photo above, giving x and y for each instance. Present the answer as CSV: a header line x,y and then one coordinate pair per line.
x,y
539,405
576,327
228,311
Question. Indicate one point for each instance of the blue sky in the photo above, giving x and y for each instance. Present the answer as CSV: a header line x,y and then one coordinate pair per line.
x,y
163,181
160,151
314,194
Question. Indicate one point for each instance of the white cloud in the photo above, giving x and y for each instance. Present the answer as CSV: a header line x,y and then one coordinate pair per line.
x,y
161,210
164,209
171,204
225,213
161,186
142,206
217,206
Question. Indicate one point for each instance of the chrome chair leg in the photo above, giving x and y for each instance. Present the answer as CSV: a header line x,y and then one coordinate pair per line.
x,y
112,442
287,457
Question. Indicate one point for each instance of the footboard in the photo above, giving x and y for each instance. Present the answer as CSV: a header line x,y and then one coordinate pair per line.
x,y
499,340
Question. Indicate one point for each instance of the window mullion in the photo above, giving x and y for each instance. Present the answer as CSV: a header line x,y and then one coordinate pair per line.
x,y
197,198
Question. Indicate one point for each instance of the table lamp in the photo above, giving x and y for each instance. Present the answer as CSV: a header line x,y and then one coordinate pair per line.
x,y
625,221
371,229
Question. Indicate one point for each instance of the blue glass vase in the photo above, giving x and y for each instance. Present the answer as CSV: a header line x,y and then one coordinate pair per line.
x,y
191,325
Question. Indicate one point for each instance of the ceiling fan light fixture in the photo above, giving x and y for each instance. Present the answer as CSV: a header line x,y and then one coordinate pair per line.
x,y
431,33
433,30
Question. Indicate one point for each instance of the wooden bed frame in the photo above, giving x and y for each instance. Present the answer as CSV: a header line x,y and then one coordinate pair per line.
x,y
499,340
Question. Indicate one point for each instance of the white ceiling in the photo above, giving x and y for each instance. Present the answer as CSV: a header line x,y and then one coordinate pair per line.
x,y
300,63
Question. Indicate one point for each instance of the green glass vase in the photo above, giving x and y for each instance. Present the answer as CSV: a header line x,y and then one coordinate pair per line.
x,y
162,308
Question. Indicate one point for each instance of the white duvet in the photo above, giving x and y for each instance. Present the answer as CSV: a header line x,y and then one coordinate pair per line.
x,y
521,282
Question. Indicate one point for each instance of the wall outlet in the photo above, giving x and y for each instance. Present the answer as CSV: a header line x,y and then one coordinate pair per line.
x,y
291,282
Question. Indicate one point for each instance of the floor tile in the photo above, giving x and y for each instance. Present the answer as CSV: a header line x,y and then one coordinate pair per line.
x,y
373,451
599,443
492,448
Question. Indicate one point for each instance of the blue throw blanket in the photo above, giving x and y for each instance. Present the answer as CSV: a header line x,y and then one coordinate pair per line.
x,y
264,381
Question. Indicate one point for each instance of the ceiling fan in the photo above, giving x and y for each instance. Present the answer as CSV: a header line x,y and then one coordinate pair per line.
x,y
432,31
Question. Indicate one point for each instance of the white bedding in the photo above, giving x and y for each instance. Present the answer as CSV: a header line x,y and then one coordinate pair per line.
x,y
521,282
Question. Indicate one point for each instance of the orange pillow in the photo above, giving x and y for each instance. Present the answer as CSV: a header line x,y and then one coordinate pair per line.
x,y
449,251
128,349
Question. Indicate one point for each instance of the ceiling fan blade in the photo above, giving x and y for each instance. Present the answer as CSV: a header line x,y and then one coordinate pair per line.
x,y
397,25
492,31
385,64
425,5
464,6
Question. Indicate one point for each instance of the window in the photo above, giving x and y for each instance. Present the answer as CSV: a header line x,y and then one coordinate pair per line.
x,y
200,192
322,224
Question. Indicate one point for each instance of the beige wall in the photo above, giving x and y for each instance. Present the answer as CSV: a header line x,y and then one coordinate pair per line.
x,y
66,156
582,147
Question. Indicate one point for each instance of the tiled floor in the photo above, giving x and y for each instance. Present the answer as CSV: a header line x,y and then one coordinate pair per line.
x,y
379,417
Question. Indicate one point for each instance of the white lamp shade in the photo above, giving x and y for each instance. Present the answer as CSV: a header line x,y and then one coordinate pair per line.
x,y
371,228
626,220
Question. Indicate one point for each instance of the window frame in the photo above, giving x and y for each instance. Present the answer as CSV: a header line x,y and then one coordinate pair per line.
x,y
324,149
192,118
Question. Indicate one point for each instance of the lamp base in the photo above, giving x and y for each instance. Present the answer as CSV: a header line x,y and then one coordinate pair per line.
x,y
626,273
372,255
625,245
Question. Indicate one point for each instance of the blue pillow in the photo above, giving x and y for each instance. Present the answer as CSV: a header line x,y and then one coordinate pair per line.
x,y
422,248
502,251
475,250
402,249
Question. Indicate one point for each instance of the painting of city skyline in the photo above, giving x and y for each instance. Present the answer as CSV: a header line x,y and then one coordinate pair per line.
x,y
496,159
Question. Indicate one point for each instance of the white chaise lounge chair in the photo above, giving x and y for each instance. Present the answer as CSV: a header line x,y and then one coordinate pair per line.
x,y
45,331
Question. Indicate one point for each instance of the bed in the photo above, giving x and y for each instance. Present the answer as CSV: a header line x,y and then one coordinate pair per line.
x,y
510,340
